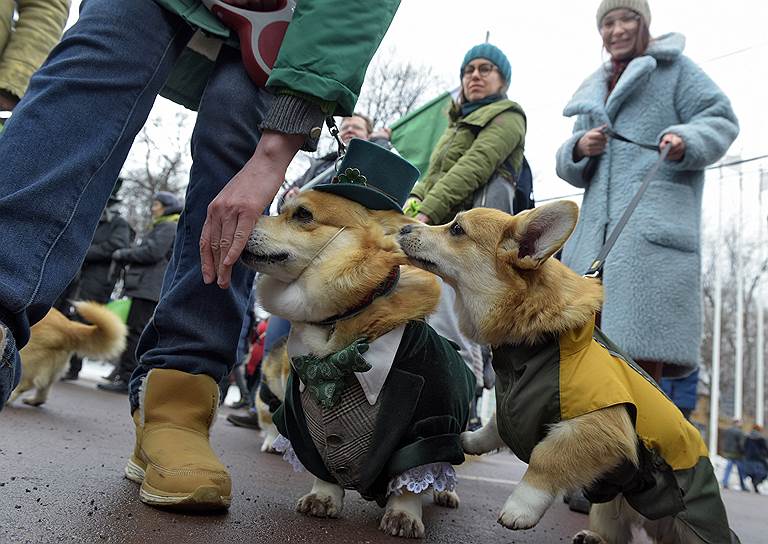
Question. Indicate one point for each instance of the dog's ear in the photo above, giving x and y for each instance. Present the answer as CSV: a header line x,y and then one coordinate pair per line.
x,y
536,235
392,221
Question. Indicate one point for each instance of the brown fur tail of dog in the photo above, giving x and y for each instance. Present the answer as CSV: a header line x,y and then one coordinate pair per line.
x,y
103,339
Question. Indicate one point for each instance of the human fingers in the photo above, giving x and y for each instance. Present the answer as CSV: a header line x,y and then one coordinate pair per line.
x,y
214,233
206,254
676,146
239,238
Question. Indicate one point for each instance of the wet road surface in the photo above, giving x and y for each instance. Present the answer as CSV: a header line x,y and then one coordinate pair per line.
x,y
61,480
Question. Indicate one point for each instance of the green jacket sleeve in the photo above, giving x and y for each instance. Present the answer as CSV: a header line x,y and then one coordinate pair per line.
x,y
328,47
38,29
493,144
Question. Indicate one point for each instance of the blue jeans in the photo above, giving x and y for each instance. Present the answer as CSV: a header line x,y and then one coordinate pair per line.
x,y
727,474
63,149
277,329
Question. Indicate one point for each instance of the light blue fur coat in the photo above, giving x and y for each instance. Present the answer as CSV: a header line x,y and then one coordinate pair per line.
x,y
653,299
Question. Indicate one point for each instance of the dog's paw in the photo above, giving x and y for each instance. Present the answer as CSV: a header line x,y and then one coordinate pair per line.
x,y
403,524
587,537
266,446
33,402
524,507
449,499
319,506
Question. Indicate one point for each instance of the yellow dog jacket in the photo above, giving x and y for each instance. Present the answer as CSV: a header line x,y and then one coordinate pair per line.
x,y
581,371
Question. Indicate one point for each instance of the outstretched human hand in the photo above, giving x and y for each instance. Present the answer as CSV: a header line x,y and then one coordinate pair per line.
x,y
234,212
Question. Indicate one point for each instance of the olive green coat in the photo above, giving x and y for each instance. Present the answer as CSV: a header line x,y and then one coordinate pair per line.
x,y
467,154
23,49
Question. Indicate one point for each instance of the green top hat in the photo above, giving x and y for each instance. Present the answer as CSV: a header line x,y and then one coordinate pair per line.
x,y
372,176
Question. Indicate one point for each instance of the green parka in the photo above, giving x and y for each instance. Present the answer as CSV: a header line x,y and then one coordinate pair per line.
x,y
323,56
468,153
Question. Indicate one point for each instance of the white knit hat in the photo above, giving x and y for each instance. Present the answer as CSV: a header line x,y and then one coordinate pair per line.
x,y
638,6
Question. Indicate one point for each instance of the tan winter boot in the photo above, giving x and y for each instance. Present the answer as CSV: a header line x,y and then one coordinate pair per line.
x,y
173,459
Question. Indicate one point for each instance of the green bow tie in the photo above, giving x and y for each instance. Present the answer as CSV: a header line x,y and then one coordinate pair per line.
x,y
325,376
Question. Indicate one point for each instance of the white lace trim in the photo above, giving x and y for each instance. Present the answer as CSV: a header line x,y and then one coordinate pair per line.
x,y
440,476
282,445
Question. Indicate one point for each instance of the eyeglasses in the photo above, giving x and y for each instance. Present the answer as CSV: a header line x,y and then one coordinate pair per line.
x,y
624,20
482,69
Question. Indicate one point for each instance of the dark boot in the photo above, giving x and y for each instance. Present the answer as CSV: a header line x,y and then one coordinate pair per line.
x,y
577,502
251,421
117,386
75,365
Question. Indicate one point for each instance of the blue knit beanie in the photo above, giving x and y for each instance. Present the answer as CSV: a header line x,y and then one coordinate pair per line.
x,y
493,54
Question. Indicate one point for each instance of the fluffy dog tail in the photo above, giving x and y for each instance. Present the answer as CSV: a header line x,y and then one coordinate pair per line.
x,y
103,339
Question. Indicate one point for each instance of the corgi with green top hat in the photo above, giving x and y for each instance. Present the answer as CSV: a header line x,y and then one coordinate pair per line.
x,y
376,399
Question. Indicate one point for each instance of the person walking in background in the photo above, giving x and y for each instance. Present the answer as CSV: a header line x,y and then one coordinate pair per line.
x,y
145,266
653,94
733,451
755,457
486,131
97,277
79,118
25,44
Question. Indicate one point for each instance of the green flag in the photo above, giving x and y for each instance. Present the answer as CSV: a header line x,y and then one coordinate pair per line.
x,y
415,135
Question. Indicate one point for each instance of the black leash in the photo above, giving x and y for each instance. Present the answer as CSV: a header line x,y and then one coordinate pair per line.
x,y
596,270
616,136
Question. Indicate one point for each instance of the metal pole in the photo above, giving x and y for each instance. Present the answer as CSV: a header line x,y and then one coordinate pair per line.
x,y
739,363
714,381
760,362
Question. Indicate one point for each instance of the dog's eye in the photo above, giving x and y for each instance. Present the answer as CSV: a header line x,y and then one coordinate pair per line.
x,y
302,214
456,230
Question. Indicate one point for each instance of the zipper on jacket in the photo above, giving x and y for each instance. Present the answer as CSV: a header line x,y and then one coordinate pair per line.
x,y
448,146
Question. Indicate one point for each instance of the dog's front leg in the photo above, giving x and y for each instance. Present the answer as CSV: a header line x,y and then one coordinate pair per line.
x,y
402,516
482,440
326,500
573,455
270,433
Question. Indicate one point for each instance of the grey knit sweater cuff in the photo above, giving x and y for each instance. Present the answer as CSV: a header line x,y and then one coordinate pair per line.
x,y
292,114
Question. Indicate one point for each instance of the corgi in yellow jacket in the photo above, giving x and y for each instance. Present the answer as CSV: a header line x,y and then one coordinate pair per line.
x,y
568,402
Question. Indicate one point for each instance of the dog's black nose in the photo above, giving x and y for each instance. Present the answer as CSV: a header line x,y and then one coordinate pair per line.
x,y
406,229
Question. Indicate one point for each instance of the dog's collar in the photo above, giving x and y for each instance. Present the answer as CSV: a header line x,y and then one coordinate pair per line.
x,y
381,290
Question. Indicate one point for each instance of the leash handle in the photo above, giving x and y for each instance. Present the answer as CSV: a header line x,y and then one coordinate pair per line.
x,y
596,270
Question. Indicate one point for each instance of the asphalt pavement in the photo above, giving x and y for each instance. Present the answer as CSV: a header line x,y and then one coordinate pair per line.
x,y
61,480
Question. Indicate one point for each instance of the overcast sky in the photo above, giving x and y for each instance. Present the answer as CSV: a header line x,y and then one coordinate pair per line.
x,y
553,45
